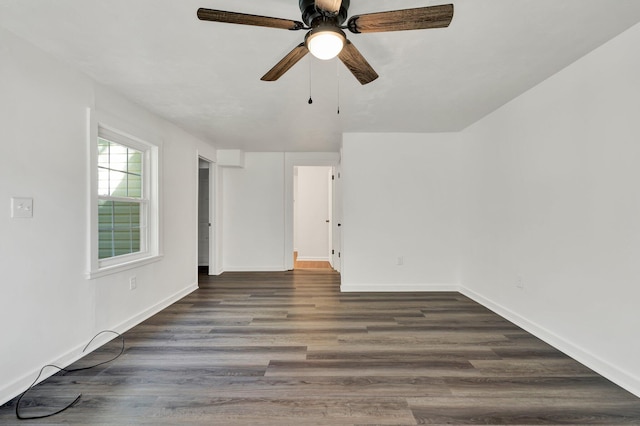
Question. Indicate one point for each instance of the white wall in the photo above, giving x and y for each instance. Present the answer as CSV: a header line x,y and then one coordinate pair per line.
x,y
48,309
257,209
311,210
533,211
400,200
553,209
253,213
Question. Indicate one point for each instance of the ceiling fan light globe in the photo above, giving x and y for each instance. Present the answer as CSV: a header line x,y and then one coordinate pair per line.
x,y
325,44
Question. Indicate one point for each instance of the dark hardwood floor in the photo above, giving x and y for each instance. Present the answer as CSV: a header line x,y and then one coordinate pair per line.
x,y
290,349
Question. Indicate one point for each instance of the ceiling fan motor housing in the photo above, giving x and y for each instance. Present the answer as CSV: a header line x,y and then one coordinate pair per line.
x,y
310,13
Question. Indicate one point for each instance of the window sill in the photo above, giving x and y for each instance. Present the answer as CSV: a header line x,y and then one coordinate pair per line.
x,y
108,270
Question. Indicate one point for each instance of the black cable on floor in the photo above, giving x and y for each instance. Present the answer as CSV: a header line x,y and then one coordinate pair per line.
x,y
21,417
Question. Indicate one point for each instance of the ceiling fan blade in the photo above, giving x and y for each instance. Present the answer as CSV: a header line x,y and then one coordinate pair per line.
x,y
357,64
286,63
244,19
401,20
332,6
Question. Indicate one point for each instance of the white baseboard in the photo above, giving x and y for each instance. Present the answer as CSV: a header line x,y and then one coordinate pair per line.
x,y
151,311
390,287
254,269
620,377
10,391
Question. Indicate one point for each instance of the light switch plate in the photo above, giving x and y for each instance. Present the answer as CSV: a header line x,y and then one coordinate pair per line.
x,y
21,207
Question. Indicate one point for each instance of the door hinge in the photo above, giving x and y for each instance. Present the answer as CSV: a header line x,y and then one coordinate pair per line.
x,y
333,177
338,254
333,252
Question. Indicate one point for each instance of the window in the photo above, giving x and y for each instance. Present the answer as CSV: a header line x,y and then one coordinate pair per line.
x,y
124,202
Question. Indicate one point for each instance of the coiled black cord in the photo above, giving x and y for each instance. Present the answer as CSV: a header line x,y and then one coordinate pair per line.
x,y
75,401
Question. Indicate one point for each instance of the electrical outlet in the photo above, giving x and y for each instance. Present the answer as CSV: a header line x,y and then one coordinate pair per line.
x,y
133,283
400,261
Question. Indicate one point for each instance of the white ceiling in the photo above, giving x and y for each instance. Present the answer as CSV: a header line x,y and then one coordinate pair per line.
x,y
205,76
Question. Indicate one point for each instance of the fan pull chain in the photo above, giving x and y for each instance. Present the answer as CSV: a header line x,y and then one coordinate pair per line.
x,y
310,100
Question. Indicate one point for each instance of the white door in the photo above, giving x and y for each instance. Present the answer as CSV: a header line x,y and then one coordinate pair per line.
x,y
203,213
336,225
329,221
312,220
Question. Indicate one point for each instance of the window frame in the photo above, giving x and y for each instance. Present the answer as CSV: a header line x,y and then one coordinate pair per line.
x,y
120,132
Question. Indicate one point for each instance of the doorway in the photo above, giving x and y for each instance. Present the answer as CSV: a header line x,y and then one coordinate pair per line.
x,y
206,241
312,217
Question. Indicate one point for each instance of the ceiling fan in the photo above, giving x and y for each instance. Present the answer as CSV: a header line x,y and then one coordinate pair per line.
x,y
325,38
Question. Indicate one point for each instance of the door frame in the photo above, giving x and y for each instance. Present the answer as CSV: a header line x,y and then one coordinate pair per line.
x,y
336,220
330,213
293,159
213,270
323,230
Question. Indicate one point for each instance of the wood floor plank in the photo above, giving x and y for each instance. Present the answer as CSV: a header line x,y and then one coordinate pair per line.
x,y
315,410
287,348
